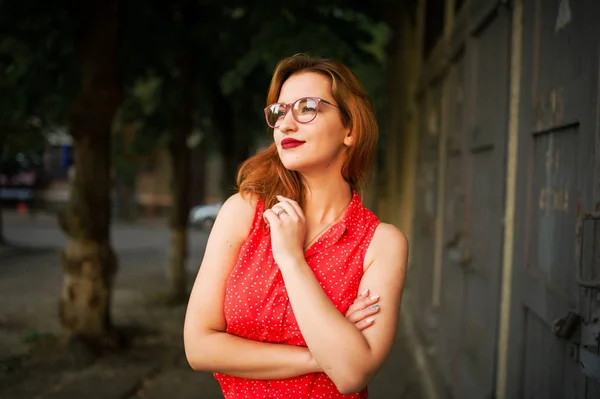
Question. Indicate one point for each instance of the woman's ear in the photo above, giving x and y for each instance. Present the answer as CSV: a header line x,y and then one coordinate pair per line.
x,y
349,139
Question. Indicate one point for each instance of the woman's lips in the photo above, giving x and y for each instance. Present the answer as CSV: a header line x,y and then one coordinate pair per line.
x,y
287,144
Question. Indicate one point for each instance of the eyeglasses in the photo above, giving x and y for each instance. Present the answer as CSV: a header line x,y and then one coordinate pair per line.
x,y
304,110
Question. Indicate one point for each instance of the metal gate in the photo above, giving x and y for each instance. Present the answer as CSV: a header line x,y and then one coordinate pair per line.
x,y
474,196
554,328
455,226
425,208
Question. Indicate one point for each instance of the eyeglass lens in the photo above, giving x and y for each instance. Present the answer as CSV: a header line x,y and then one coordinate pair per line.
x,y
304,110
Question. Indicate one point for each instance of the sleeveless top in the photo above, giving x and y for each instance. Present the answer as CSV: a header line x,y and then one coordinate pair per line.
x,y
257,307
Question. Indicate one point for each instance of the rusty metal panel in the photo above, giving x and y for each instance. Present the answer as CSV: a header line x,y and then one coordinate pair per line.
x,y
481,255
554,166
425,210
588,279
454,226
555,187
544,378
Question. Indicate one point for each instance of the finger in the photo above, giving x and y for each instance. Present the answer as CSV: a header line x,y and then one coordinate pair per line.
x,y
364,324
363,302
351,310
279,210
271,217
284,198
289,208
364,313
356,304
296,206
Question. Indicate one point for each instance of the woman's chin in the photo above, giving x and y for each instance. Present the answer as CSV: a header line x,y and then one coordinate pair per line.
x,y
293,166
297,164
291,161
294,163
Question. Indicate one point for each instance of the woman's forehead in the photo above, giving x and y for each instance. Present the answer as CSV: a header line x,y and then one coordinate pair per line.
x,y
305,84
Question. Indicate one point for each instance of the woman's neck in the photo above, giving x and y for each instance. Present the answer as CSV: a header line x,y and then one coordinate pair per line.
x,y
325,199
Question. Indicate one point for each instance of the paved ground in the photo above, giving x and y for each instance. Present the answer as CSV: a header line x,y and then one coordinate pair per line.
x,y
155,367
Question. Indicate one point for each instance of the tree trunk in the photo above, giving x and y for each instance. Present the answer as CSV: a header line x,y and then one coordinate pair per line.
x,y
233,147
180,159
88,260
198,175
2,238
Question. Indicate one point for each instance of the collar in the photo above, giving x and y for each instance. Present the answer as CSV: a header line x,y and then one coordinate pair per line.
x,y
335,232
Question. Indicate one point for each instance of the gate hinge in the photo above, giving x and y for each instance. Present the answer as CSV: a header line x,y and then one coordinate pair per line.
x,y
565,327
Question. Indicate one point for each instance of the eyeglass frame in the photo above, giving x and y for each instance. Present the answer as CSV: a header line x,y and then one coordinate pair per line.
x,y
289,106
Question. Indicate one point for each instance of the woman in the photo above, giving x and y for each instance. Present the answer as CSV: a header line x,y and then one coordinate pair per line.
x,y
271,311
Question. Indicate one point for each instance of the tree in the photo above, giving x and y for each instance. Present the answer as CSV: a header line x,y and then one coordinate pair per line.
x,y
168,58
180,159
68,58
133,147
88,259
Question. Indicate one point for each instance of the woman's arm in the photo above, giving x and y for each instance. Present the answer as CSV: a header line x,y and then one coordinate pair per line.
x,y
350,358
207,346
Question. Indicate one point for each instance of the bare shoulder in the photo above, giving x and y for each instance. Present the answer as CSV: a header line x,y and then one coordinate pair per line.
x,y
387,235
237,211
389,244
240,203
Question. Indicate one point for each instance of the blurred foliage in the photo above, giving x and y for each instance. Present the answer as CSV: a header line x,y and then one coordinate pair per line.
x,y
233,49
36,72
272,33
134,140
12,363
37,54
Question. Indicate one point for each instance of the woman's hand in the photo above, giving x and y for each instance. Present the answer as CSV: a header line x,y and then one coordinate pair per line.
x,y
288,230
362,309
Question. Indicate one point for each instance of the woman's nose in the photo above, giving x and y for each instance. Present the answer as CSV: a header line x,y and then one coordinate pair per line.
x,y
288,123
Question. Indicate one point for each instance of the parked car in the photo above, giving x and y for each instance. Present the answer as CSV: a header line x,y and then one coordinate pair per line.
x,y
203,216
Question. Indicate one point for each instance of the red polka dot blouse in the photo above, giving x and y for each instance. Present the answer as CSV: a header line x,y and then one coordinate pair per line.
x,y
257,306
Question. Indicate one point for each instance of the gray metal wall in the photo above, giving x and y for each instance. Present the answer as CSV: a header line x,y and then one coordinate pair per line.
x,y
457,283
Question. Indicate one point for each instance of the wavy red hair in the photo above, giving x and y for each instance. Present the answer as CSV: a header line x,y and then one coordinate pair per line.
x,y
265,176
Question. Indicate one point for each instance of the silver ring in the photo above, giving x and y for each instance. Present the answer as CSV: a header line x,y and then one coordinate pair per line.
x,y
281,211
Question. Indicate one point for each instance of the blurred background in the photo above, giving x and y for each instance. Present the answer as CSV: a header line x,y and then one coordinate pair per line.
x,y
123,123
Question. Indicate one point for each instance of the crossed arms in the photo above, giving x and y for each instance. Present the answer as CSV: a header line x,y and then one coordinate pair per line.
x,y
350,356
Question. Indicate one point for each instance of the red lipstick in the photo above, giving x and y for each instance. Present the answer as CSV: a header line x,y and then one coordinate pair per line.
x,y
289,143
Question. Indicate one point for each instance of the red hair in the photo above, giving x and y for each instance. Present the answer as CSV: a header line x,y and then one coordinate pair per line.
x,y
265,176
